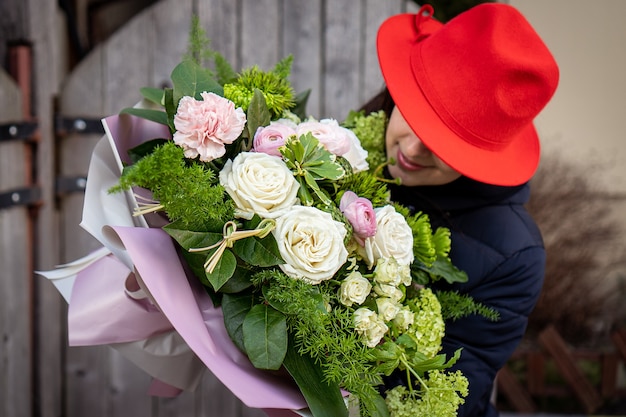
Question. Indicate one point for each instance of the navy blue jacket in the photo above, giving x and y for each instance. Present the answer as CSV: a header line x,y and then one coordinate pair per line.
x,y
500,247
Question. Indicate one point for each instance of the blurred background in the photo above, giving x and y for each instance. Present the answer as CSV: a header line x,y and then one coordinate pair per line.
x,y
66,64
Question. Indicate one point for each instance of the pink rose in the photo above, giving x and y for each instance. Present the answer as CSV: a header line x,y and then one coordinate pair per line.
x,y
360,213
334,137
268,139
204,127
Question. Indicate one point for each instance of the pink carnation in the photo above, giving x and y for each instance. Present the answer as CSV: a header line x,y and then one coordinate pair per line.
x,y
204,127
360,213
268,139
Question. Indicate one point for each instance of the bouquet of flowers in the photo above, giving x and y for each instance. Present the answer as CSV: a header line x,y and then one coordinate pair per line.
x,y
263,241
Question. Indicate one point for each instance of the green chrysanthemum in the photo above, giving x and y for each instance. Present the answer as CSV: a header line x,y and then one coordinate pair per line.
x,y
275,86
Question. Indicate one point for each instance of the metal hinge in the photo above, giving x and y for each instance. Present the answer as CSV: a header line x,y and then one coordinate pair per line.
x,y
26,196
65,125
18,131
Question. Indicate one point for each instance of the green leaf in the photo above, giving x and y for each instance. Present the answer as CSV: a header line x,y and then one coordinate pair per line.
x,y
223,271
258,114
155,95
157,116
193,240
190,79
196,264
170,107
312,185
259,252
144,149
301,101
444,268
265,336
235,307
239,281
324,399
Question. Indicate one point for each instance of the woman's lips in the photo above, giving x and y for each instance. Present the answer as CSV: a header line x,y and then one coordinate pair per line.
x,y
407,165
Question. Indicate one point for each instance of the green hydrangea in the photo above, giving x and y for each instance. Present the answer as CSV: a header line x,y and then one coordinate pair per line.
x,y
428,327
441,395
370,130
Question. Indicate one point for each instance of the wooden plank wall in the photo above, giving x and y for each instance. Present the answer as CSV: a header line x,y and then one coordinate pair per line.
x,y
334,49
15,277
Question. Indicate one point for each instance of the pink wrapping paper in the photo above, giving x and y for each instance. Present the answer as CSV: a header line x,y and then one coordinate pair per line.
x,y
191,313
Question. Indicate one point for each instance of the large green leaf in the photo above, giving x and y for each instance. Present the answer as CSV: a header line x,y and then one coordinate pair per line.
x,y
157,116
324,399
153,94
193,240
301,101
240,280
258,114
265,336
259,252
235,307
223,271
190,79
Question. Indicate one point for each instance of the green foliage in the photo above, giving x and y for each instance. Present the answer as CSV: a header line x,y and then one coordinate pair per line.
x,y
198,44
455,306
311,162
274,85
188,193
327,337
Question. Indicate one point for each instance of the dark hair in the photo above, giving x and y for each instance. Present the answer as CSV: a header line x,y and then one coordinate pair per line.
x,y
381,101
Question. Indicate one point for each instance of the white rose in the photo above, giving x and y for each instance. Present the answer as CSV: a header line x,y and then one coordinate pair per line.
x,y
404,319
387,308
387,271
369,325
311,243
259,183
357,156
394,237
389,291
354,289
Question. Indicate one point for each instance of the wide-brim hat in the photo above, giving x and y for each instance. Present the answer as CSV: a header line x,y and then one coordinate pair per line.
x,y
471,88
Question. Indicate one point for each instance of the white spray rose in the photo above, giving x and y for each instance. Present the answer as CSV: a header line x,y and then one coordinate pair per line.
x,y
389,291
387,308
369,325
259,183
404,319
311,243
387,271
354,289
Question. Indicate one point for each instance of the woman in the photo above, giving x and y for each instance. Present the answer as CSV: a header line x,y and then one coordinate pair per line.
x,y
461,99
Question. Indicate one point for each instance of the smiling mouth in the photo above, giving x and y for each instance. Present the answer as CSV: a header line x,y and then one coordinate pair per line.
x,y
407,165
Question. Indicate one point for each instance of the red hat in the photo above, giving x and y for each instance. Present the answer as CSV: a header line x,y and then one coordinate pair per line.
x,y
471,88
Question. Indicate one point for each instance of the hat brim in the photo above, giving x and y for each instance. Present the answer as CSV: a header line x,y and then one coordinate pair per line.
x,y
513,165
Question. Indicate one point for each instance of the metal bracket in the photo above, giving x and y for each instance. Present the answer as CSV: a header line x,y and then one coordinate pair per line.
x,y
27,196
66,125
18,131
67,185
